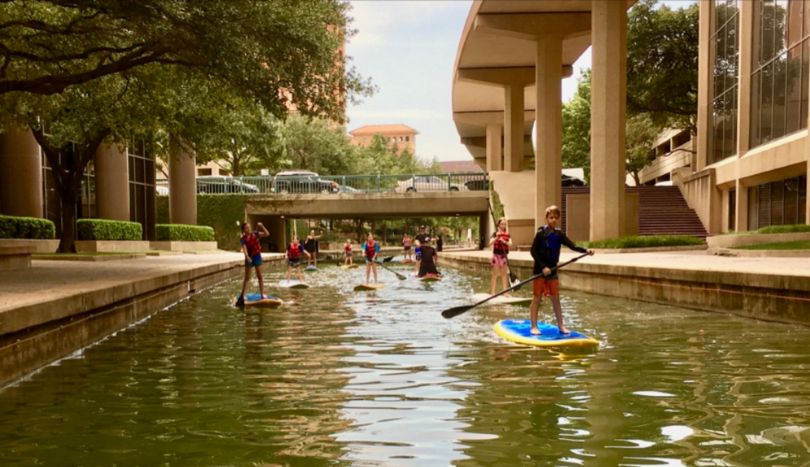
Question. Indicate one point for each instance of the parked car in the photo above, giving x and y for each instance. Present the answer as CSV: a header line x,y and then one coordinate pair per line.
x,y
426,183
303,181
211,184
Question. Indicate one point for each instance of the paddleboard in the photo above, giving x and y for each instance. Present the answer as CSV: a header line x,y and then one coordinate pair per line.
x,y
349,266
256,300
430,278
517,330
293,284
311,268
501,300
365,287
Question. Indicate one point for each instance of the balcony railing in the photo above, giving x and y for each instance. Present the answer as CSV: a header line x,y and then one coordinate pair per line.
x,y
336,184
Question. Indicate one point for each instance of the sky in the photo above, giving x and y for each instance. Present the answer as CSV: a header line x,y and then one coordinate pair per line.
x,y
407,48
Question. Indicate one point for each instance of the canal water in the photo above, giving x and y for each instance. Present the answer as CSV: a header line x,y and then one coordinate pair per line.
x,y
380,378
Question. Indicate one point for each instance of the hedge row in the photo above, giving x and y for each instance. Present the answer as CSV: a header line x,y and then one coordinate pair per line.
x,y
646,241
104,229
184,233
26,227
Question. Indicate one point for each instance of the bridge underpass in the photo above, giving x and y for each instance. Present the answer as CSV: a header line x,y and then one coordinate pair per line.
x,y
274,211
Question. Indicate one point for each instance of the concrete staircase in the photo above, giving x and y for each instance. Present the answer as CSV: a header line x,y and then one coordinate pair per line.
x,y
662,211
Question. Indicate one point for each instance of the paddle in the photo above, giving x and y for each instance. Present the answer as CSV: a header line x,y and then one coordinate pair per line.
x,y
399,276
387,259
512,276
457,310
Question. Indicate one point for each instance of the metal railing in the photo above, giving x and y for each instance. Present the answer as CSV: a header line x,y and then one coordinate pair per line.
x,y
335,184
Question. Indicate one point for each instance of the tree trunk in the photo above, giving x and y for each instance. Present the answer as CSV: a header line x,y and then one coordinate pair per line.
x,y
68,199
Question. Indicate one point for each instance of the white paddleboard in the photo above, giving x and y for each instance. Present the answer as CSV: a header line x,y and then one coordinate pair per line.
x,y
293,284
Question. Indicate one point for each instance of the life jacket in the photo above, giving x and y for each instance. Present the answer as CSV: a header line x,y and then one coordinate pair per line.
x,y
294,252
370,249
348,248
252,243
502,247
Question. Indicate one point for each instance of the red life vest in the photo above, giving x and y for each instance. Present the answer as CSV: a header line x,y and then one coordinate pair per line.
x,y
348,248
502,247
370,249
294,252
252,244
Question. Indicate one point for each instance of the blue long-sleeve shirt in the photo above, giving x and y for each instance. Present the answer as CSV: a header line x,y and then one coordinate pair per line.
x,y
546,248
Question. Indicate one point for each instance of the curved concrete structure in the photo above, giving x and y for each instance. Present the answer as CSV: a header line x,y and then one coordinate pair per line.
x,y
511,58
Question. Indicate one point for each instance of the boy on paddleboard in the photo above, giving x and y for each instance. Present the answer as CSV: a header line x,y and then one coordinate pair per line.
x,y
546,253
370,250
294,252
252,249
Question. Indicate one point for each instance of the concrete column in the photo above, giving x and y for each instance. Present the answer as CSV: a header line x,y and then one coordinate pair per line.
x,y
112,181
741,203
513,128
548,149
20,173
608,93
494,147
745,31
182,182
705,94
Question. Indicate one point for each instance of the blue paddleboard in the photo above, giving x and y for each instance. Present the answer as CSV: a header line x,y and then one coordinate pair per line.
x,y
268,301
517,330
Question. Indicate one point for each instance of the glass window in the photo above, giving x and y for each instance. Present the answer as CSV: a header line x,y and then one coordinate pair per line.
x,y
726,62
779,75
778,203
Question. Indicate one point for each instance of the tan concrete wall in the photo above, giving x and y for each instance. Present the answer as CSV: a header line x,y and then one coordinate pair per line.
x,y
111,246
577,222
182,182
183,246
112,182
20,173
516,191
522,232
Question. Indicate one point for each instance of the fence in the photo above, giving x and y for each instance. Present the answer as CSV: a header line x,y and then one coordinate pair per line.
x,y
335,184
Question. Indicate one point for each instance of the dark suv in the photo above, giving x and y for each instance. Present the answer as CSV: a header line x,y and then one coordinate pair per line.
x,y
302,181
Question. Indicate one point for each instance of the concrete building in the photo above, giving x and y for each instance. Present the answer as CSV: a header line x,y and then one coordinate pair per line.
x,y
400,136
746,168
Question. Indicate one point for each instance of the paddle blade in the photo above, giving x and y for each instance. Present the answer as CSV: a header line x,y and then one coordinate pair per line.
x,y
387,259
513,277
455,311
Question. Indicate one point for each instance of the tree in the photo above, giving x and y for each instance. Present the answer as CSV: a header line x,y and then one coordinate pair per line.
x,y
282,53
662,63
640,133
317,145
576,123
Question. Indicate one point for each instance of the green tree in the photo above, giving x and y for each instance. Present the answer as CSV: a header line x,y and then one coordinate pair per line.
x,y
318,145
662,63
576,123
261,47
640,133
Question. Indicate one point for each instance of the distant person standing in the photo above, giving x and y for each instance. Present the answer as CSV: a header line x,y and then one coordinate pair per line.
x,y
439,243
500,242
252,249
407,243
311,246
370,250
421,239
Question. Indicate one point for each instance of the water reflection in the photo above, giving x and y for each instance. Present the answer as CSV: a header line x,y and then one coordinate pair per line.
x,y
380,378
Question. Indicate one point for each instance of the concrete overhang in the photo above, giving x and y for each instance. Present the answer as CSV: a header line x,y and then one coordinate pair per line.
x,y
498,45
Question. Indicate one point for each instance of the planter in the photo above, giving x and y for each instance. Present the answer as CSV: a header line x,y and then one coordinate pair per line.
x,y
36,246
111,246
735,241
168,245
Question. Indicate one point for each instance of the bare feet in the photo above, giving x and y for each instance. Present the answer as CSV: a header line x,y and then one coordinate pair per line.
x,y
535,331
564,330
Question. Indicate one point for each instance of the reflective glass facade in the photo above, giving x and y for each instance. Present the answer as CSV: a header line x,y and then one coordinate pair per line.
x,y
725,41
779,69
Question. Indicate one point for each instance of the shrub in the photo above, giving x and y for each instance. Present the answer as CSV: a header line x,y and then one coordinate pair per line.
x,y
784,229
105,229
184,233
26,227
646,241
